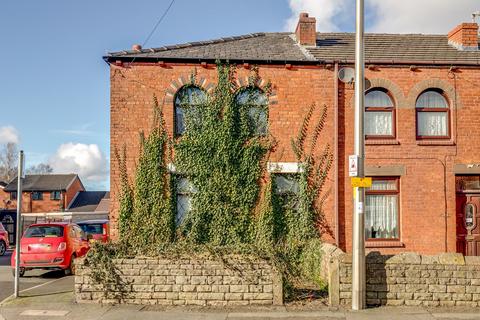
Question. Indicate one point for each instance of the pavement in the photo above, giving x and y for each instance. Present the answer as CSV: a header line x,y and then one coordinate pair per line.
x,y
61,306
49,295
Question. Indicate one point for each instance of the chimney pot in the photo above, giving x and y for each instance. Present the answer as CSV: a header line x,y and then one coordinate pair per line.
x,y
464,37
306,32
137,47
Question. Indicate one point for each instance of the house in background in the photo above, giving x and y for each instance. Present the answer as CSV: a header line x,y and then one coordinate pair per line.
x,y
4,195
43,193
51,197
421,120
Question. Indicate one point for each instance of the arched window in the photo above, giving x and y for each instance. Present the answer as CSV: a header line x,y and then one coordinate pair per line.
x,y
379,114
433,115
187,97
255,102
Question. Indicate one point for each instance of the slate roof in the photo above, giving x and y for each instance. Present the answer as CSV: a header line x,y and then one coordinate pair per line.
x,y
88,201
392,48
252,47
43,182
281,47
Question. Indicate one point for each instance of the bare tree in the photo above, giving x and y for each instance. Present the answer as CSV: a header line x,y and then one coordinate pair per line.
x,y
8,161
41,168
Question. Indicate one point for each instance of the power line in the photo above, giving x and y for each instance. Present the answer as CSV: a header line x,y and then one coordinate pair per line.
x,y
158,23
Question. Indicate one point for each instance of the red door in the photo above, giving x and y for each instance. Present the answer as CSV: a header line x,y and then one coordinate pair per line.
x,y
468,224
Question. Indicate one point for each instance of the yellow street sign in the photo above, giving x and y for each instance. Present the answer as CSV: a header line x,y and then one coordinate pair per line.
x,y
361,182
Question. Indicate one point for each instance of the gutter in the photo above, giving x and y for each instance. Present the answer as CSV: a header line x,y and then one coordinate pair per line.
x,y
113,59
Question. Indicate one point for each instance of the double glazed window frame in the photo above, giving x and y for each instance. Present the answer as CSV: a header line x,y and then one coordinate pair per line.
x,y
395,192
37,195
386,108
56,195
424,110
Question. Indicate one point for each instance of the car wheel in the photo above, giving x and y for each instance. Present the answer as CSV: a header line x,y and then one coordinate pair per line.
x,y
70,271
21,273
3,247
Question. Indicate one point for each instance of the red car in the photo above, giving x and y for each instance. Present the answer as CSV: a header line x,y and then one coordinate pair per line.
x,y
51,246
3,240
96,230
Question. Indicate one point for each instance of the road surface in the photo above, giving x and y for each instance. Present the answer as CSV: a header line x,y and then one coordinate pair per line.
x,y
35,282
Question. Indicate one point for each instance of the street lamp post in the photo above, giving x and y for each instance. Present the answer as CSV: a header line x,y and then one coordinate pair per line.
x,y
20,176
358,261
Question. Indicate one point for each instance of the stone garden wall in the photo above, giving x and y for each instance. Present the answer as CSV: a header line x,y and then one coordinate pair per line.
x,y
410,279
233,281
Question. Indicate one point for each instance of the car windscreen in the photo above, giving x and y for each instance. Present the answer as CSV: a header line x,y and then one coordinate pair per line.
x,y
44,232
92,228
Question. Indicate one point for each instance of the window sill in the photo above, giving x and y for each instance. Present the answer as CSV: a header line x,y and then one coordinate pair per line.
x,y
377,142
384,244
435,142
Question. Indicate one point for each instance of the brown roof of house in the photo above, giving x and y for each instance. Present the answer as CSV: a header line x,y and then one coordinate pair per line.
x,y
281,47
43,182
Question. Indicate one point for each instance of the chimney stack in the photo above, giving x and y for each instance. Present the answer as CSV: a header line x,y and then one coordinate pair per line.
x,y
306,31
464,37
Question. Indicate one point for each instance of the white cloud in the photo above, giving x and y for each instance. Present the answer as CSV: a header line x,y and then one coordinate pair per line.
x,y
325,11
425,16
87,160
9,134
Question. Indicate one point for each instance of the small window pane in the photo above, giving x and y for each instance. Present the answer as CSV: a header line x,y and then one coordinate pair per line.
x,y
187,97
390,185
381,218
432,124
378,123
184,189
185,186
469,215
37,196
377,98
258,115
184,205
55,195
256,101
431,99
286,184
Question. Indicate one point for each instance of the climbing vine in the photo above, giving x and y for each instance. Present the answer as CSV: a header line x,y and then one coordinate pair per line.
x,y
222,158
233,205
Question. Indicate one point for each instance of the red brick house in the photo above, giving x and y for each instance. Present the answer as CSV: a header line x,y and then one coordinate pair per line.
x,y
42,193
422,121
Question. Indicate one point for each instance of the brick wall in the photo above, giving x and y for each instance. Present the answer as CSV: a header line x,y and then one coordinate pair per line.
x,y
410,279
185,281
132,88
427,200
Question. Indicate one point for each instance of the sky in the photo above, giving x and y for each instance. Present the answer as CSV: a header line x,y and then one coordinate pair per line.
x,y
54,85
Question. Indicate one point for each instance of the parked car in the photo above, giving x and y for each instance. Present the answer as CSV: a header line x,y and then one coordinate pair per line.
x,y
96,230
51,246
3,240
